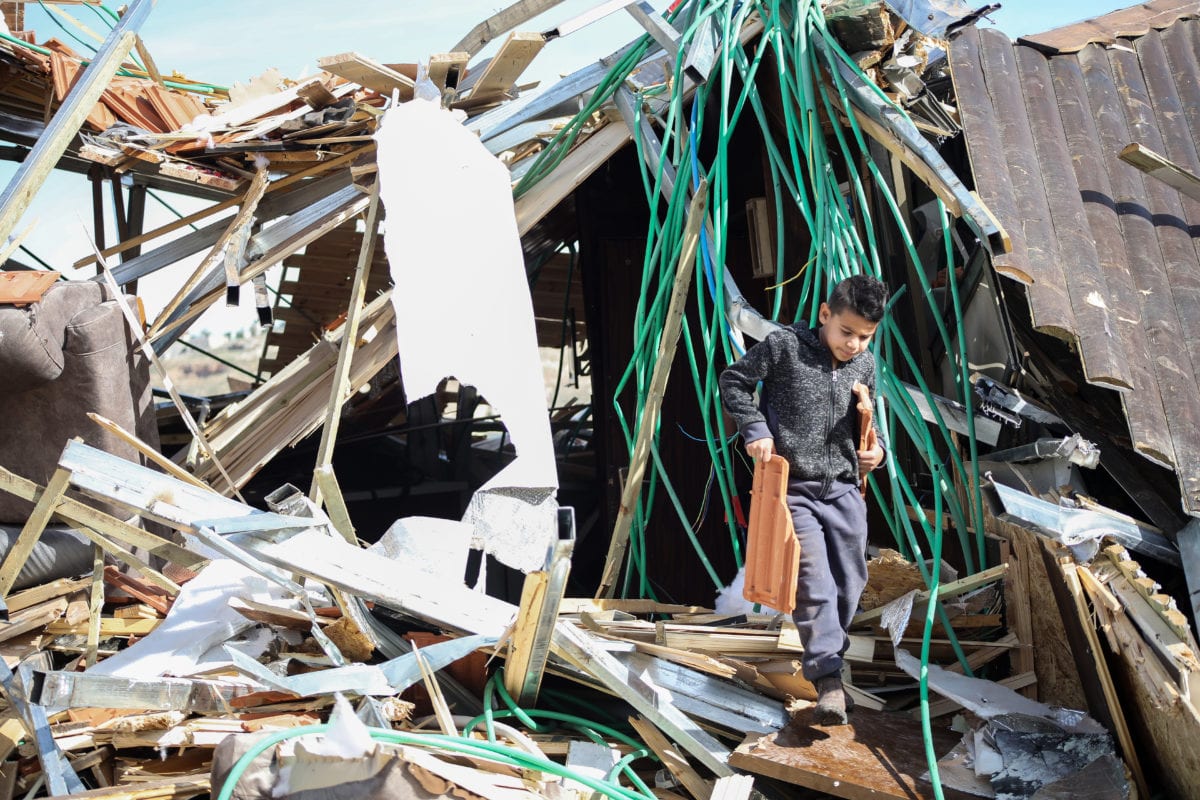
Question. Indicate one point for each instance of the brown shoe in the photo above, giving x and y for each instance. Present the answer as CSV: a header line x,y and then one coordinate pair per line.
x,y
831,701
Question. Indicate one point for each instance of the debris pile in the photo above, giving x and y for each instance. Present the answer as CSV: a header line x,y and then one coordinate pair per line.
x,y
182,620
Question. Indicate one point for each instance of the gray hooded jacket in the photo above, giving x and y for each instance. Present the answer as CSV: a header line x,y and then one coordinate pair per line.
x,y
808,407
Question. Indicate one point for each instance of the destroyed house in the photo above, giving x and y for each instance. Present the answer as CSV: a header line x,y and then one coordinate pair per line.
x,y
428,541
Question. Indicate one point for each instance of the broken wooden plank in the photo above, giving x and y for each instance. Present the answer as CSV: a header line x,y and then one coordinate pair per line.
x,y
576,605
1103,701
43,510
369,74
879,755
166,789
169,466
502,22
529,647
502,71
340,388
109,626
92,649
447,69
157,597
675,761
83,515
46,591
572,644
250,200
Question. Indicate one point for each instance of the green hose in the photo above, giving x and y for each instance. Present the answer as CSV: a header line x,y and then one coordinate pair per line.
x,y
483,750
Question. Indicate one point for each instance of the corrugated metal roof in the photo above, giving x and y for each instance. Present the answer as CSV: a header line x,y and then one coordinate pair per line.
x,y
1109,255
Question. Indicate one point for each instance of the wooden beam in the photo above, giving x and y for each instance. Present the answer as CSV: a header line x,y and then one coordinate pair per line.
x,y
92,652
340,388
538,614
43,510
82,515
76,106
569,174
250,200
520,644
44,592
109,626
224,205
447,69
169,466
675,762
501,23
335,503
1161,168
505,68
658,385
368,74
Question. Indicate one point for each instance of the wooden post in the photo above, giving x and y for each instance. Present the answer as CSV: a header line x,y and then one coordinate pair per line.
x,y
258,187
341,386
18,554
93,636
658,385
326,482
540,600
74,110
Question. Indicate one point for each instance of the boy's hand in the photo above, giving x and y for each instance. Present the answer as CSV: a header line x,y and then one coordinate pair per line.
x,y
869,460
760,449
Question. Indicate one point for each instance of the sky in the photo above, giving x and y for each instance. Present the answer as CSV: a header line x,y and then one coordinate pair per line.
x,y
229,41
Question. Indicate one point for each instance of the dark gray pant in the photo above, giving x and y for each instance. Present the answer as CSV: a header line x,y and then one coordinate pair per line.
x,y
833,573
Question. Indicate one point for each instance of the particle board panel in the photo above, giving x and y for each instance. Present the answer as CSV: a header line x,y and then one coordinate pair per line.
x,y
1103,355
1058,679
877,755
1165,725
1147,420
1049,303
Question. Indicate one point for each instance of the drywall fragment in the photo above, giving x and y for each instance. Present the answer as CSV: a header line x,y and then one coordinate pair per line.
x,y
200,618
451,225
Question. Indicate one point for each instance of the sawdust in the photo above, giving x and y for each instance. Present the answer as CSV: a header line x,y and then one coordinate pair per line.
x,y
889,575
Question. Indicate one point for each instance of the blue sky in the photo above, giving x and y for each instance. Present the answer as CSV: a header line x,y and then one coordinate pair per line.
x,y
227,41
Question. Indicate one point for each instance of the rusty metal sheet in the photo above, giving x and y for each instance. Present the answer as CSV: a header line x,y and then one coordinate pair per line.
x,y
1136,20
1113,255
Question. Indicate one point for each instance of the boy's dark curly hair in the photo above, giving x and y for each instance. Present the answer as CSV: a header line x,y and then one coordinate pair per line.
x,y
862,294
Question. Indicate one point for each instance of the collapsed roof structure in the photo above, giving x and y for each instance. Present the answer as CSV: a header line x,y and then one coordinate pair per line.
x,y
1031,205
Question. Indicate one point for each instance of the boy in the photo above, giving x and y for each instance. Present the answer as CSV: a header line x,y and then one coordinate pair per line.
x,y
808,415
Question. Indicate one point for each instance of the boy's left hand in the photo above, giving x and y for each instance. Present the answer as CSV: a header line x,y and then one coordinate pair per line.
x,y
869,460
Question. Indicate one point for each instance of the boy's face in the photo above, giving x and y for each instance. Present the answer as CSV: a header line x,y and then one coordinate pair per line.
x,y
845,332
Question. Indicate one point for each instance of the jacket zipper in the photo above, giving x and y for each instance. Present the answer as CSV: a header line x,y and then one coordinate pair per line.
x,y
827,481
